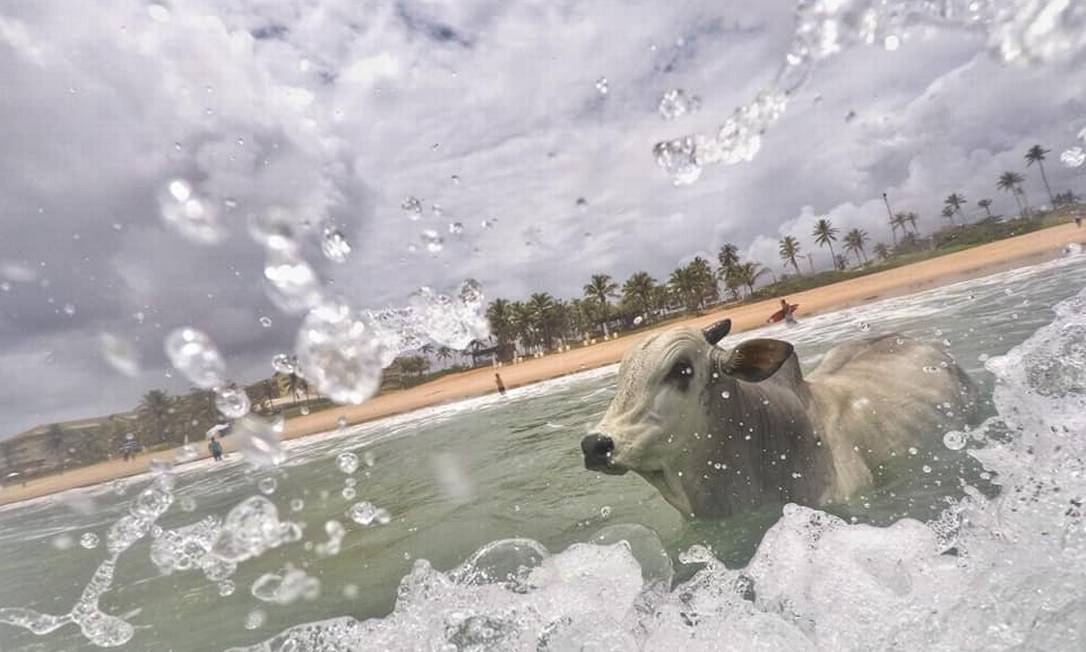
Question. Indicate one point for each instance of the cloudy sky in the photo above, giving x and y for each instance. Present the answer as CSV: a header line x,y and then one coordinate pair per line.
x,y
337,110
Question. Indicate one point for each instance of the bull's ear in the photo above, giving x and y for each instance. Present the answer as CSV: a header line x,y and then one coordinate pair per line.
x,y
716,331
756,360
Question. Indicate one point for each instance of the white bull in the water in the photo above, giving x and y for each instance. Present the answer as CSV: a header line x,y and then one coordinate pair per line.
x,y
717,431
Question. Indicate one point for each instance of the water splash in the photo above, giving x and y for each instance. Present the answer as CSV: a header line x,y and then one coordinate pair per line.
x,y
340,353
334,246
676,103
99,628
999,573
286,587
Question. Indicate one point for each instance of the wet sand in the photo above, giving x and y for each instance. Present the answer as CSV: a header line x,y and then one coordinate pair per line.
x,y
986,259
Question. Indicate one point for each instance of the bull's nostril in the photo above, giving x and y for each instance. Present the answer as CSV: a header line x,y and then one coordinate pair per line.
x,y
597,449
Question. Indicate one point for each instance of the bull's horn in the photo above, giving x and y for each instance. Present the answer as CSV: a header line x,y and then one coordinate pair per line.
x,y
716,331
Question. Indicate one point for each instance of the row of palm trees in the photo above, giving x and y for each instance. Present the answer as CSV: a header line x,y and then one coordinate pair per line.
x,y
543,321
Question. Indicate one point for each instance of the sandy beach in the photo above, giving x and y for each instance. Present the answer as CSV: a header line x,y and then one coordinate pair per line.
x,y
979,261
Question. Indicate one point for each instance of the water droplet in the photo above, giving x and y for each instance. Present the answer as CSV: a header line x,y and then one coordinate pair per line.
x,y
267,486
284,363
340,355
187,504
274,229
89,540
69,309
193,353
954,440
334,246
258,442
412,207
368,458
1073,157
455,180
120,353
297,505
232,402
725,394
676,103
226,588
266,321
926,468
603,86
931,370
864,326
366,513
913,450
341,423
456,228
293,286
891,42
304,410
347,462
186,453
350,591
605,511
180,190
433,242
348,493
255,619
678,157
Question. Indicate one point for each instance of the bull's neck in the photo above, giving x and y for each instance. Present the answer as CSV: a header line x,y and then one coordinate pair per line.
x,y
761,436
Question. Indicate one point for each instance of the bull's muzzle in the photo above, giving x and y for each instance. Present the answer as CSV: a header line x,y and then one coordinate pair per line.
x,y
597,449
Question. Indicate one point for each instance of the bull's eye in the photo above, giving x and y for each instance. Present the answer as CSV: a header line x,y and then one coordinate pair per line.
x,y
681,373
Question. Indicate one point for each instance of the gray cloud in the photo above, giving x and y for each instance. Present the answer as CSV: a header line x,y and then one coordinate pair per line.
x,y
337,111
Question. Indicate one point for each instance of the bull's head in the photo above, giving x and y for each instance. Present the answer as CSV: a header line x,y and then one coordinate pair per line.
x,y
665,385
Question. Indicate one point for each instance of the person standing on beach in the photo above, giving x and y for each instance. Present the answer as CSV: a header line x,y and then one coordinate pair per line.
x,y
498,382
216,449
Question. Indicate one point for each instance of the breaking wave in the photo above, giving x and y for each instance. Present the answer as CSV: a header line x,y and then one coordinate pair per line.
x,y
987,574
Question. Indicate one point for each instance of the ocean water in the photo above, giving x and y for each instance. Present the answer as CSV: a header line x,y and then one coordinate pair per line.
x,y
498,538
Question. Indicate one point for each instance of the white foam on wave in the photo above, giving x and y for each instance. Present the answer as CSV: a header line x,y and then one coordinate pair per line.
x,y
988,574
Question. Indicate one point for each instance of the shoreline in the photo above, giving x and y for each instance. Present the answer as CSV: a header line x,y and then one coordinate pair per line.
x,y
982,260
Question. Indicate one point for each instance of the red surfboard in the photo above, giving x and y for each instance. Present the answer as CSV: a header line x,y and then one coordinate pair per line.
x,y
782,313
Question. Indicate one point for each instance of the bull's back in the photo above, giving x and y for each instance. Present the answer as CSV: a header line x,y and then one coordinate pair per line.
x,y
876,397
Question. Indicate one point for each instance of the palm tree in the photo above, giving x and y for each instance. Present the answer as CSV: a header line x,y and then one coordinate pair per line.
x,y
426,349
899,221
954,202
704,280
882,251
986,204
911,218
638,293
727,257
444,354
296,384
155,412
825,234
788,250
502,323
599,289
542,307
684,285
1012,183
56,443
523,319
948,214
749,273
854,242
1036,154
